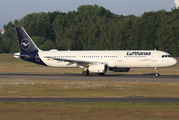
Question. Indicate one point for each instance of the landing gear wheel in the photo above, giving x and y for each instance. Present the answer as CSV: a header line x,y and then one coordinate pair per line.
x,y
100,74
157,74
85,73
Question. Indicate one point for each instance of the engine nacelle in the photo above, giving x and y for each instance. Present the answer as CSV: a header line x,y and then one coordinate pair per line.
x,y
98,68
120,69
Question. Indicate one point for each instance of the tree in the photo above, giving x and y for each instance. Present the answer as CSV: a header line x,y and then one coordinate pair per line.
x,y
93,27
39,41
48,45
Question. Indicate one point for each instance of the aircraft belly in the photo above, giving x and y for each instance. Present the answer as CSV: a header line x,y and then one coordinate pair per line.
x,y
135,63
143,63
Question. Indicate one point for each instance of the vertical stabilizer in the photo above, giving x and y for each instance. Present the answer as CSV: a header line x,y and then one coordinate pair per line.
x,y
26,43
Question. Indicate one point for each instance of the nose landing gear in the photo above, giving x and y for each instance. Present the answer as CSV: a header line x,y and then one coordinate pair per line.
x,y
156,72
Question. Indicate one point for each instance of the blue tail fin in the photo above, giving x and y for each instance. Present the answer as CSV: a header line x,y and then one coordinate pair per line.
x,y
29,51
26,43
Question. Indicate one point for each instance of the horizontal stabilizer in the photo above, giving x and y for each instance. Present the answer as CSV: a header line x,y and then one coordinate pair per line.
x,y
17,55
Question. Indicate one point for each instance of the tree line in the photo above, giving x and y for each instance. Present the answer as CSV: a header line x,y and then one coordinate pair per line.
x,y
93,27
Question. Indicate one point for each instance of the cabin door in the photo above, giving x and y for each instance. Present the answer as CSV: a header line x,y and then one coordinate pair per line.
x,y
120,58
154,55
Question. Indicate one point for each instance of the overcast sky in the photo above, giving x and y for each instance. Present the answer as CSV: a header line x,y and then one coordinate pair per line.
x,y
11,10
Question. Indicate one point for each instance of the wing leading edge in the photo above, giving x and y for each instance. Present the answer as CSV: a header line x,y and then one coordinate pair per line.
x,y
73,61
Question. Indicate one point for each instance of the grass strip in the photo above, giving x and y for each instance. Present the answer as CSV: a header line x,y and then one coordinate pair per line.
x,y
89,111
76,88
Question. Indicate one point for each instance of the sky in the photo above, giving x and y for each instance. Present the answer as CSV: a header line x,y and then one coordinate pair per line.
x,y
11,10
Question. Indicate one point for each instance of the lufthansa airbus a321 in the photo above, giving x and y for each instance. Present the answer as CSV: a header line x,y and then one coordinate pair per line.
x,y
93,61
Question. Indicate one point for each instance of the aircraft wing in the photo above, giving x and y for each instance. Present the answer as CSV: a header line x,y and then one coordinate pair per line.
x,y
72,61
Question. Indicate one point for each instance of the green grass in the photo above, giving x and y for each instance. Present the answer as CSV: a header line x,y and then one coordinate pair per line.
x,y
75,88
89,111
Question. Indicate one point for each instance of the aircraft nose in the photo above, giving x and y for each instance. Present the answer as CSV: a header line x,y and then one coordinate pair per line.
x,y
174,61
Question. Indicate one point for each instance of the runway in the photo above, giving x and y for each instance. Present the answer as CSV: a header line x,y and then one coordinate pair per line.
x,y
116,77
75,100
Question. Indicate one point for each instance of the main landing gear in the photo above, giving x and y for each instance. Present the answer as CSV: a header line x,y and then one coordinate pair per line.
x,y
85,73
156,71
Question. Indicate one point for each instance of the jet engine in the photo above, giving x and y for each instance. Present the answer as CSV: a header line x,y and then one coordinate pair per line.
x,y
98,68
120,69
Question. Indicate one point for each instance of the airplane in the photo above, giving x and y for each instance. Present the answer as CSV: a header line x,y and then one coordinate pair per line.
x,y
93,61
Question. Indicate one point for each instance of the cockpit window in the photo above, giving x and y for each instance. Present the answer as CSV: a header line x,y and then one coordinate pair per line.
x,y
164,56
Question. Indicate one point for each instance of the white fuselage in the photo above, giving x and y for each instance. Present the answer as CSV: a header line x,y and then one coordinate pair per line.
x,y
119,59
